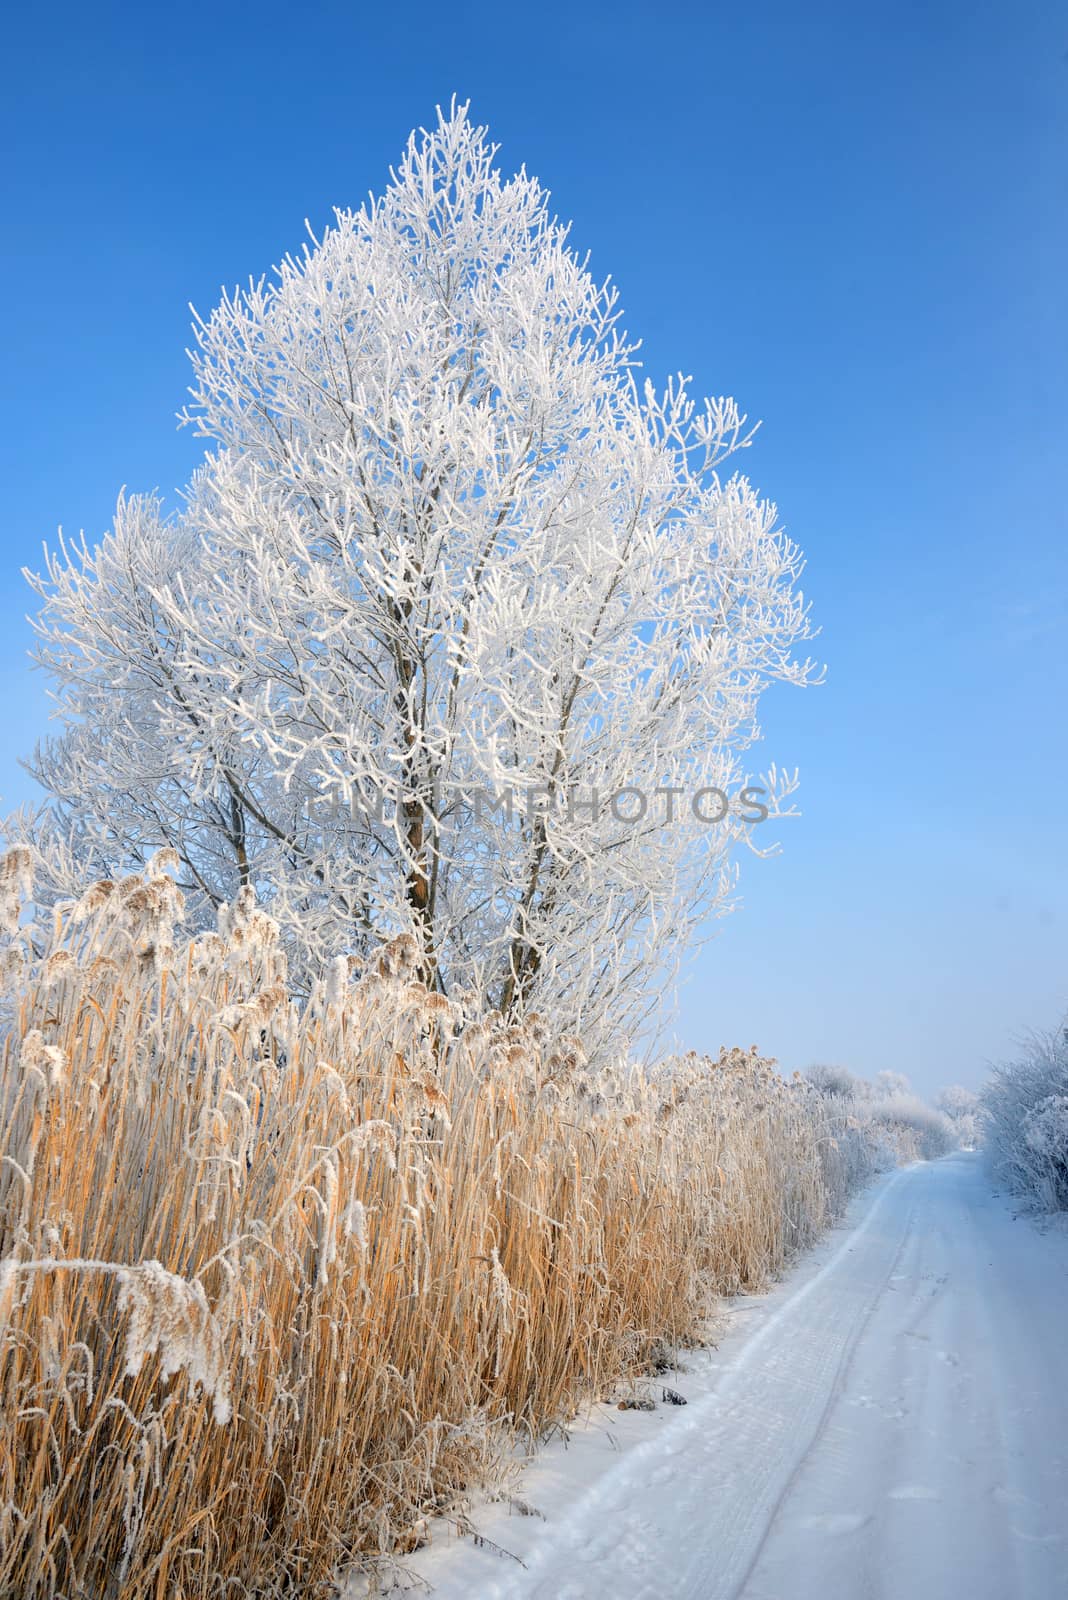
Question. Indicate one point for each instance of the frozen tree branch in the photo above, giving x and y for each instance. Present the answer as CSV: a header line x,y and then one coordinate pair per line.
x,y
445,544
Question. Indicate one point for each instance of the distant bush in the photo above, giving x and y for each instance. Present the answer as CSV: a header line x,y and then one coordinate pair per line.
x,y
915,1128
1025,1116
961,1106
891,1085
888,1122
832,1080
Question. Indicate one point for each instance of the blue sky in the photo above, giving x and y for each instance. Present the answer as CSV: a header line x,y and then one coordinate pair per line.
x,y
851,217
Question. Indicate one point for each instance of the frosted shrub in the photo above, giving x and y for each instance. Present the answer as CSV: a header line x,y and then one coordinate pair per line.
x,y
961,1106
879,1124
1046,1127
1045,1131
915,1128
1025,1122
833,1080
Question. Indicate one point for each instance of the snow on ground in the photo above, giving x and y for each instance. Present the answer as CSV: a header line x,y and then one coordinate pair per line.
x,y
891,1421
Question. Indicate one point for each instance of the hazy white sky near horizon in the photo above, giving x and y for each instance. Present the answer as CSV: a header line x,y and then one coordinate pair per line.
x,y
853,219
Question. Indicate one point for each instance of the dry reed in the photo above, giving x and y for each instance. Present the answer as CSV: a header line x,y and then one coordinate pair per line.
x,y
278,1280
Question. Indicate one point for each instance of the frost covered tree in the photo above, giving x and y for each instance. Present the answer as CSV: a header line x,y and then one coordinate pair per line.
x,y
447,558
961,1106
834,1081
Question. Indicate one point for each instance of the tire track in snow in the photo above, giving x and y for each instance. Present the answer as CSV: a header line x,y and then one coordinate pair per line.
x,y
718,1474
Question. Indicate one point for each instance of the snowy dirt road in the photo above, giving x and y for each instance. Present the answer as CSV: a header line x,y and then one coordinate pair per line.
x,y
891,1423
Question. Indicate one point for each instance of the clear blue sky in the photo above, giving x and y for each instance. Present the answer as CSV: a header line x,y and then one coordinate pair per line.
x,y
851,217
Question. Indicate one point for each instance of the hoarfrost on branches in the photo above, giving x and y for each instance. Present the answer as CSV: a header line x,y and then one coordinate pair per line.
x,y
447,544
1046,1127
1024,1109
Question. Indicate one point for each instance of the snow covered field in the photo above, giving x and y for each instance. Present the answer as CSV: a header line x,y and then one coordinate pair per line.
x,y
891,1421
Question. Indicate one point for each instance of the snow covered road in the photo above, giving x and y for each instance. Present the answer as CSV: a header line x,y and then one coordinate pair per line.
x,y
892,1421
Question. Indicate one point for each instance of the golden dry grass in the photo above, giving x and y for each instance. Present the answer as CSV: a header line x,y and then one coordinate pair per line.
x,y
278,1280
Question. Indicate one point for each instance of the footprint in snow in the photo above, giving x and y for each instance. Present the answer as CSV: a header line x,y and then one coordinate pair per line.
x,y
835,1522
